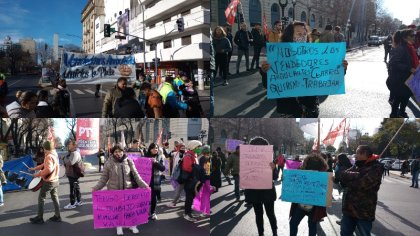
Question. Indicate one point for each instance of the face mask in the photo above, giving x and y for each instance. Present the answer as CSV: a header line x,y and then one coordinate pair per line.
x,y
301,39
197,151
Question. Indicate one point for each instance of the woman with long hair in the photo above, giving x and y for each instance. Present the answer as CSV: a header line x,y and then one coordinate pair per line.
x,y
153,152
400,67
222,47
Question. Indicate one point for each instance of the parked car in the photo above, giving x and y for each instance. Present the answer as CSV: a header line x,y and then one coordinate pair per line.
x,y
374,40
45,81
396,165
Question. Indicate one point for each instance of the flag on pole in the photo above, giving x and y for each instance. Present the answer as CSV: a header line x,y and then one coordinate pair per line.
x,y
338,131
266,32
230,12
329,141
159,138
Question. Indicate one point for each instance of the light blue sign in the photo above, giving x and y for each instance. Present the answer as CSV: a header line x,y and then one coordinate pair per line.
x,y
305,69
306,187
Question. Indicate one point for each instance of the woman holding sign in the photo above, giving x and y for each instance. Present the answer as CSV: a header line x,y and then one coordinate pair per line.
x,y
308,106
314,213
120,173
260,197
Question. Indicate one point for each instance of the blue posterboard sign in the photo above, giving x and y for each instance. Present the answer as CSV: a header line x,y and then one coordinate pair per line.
x,y
17,180
307,187
305,69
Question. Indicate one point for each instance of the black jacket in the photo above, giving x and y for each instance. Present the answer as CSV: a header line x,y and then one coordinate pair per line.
x,y
258,38
242,40
399,70
128,108
45,112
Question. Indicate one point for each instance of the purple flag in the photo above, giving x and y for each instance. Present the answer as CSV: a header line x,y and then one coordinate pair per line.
x,y
293,165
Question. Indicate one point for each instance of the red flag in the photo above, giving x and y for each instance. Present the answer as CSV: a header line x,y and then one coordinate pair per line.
x,y
230,12
339,130
266,32
329,141
159,138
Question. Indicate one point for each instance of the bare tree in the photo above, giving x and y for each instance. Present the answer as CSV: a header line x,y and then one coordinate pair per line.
x,y
44,52
71,125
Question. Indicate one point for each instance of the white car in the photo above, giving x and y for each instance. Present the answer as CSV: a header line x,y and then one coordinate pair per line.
x,y
397,165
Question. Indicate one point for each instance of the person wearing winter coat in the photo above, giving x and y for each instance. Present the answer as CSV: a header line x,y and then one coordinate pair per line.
x,y
192,98
362,181
242,39
258,43
70,160
152,152
117,176
222,47
127,105
108,107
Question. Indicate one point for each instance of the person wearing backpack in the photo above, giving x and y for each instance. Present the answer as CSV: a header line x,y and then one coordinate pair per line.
x,y
176,174
70,160
61,100
415,167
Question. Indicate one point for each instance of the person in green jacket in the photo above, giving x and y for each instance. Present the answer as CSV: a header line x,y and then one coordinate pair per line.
x,y
232,166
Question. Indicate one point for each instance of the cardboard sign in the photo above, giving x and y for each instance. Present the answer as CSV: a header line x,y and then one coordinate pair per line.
x,y
143,166
305,69
231,144
307,187
112,208
293,165
78,68
254,166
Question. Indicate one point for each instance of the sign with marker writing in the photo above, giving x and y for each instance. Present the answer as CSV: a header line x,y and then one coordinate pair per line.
x,y
231,144
254,166
307,187
305,69
143,166
293,164
413,83
112,208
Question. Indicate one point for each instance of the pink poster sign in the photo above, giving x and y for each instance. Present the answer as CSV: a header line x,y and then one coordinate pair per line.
x,y
254,166
202,199
293,165
143,166
112,208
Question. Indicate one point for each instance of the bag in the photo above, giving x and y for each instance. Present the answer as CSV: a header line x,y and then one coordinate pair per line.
x,y
132,179
79,169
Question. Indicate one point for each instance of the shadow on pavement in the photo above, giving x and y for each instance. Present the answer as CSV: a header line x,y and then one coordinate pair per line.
x,y
228,212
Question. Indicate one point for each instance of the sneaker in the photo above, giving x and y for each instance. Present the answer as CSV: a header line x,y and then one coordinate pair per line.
x,y
79,203
55,219
70,206
190,218
36,220
120,231
134,229
153,216
225,83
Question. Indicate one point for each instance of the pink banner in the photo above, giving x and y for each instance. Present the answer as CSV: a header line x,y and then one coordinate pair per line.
x,y
254,166
112,208
87,135
202,199
293,165
143,166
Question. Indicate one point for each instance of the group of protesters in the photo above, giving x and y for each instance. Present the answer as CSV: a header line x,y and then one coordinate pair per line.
x,y
358,180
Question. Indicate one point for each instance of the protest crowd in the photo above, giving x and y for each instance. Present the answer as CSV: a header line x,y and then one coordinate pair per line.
x,y
357,181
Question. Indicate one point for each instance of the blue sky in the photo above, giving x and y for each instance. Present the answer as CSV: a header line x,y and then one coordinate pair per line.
x,y
40,19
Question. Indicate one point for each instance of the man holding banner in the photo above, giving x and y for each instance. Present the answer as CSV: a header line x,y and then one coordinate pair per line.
x,y
363,181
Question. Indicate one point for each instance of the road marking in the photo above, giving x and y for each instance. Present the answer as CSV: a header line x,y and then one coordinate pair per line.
x,y
102,91
89,91
78,91
10,85
252,107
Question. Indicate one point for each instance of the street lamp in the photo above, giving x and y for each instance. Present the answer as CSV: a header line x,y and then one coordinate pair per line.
x,y
294,6
144,36
283,4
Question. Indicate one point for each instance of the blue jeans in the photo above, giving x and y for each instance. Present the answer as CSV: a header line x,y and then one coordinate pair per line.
x,y
237,194
415,179
349,224
297,217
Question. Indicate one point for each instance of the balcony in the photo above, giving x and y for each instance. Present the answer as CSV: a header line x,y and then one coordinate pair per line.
x,y
168,7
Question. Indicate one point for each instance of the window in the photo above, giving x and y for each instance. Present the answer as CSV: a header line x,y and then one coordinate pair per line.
x,y
167,44
254,11
152,47
312,22
303,16
222,5
186,40
320,22
275,13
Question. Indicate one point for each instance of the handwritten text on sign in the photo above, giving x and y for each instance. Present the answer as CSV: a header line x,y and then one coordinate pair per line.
x,y
307,187
143,166
305,69
231,144
414,84
254,166
114,208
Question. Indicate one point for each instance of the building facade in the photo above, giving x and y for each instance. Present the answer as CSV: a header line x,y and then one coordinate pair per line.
x,y
153,34
92,10
29,45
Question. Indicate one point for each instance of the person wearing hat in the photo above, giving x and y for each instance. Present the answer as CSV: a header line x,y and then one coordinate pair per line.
x,y
204,183
190,175
258,43
177,156
49,174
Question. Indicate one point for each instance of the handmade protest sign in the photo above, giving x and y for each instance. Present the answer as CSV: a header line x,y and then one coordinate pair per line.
x,y
305,69
112,208
293,165
78,68
231,144
413,83
143,165
254,166
307,187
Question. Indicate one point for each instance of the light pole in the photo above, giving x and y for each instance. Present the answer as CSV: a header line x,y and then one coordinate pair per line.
x,y
283,4
294,7
348,33
144,36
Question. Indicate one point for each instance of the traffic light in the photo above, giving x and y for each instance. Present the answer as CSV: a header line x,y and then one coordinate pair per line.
x,y
180,24
157,60
107,30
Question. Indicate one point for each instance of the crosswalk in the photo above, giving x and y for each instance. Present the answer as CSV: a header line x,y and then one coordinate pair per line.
x,y
80,91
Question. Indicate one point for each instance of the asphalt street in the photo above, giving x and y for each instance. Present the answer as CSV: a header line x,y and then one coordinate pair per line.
x,y
396,212
83,95
21,205
366,92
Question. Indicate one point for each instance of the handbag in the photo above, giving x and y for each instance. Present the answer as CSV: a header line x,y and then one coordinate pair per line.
x,y
79,169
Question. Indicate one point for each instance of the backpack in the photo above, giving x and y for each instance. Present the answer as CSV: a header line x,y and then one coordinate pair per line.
x,y
79,169
176,175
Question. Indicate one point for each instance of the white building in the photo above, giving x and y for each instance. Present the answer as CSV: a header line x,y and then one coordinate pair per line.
x,y
29,45
55,47
176,50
